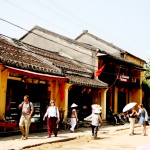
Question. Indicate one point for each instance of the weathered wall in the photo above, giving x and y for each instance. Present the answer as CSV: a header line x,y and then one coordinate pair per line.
x,y
73,50
3,89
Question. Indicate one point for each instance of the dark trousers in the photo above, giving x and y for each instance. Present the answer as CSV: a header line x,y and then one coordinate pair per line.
x,y
51,126
94,130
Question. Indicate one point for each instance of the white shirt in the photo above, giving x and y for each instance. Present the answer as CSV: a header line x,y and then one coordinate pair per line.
x,y
96,119
52,111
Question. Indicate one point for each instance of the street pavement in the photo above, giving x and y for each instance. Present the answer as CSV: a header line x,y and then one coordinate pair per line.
x,y
35,139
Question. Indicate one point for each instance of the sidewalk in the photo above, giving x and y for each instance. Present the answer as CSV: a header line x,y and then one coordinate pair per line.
x,y
16,143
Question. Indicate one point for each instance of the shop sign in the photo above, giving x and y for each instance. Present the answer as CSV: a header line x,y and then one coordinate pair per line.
x,y
123,78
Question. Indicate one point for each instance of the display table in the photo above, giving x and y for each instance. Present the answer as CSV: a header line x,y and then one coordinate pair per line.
x,y
8,124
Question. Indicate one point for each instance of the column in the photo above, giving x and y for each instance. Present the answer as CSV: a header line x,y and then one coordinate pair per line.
x,y
3,89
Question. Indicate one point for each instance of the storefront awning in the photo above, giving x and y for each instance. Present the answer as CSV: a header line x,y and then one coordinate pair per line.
x,y
34,74
88,82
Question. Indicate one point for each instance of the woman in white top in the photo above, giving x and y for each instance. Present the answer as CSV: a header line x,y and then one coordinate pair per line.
x,y
52,114
73,119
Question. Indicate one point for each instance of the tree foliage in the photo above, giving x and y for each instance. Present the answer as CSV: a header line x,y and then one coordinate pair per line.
x,y
146,85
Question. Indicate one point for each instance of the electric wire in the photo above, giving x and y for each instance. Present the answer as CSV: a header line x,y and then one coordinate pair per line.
x,y
63,56
46,6
40,18
44,37
48,40
32,14
29,31
29,50
67,11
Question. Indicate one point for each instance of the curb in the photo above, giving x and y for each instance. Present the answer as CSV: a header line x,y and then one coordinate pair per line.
x,y
125,128
73,138
63,140
80,133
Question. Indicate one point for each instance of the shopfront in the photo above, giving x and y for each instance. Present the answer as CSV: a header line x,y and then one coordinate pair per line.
x,y
83,98
40,88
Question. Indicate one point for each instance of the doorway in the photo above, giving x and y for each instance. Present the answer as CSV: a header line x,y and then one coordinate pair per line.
x,y
121,101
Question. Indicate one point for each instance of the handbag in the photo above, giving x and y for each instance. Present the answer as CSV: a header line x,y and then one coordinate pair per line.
x,y
147,123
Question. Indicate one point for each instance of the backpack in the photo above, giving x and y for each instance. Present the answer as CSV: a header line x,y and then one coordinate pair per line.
x,y
30,109
33,109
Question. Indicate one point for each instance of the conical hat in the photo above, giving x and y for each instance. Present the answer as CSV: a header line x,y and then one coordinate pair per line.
x,y
96,106
74,105
97,111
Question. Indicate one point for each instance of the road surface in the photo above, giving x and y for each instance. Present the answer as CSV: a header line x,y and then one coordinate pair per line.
x,y
118,140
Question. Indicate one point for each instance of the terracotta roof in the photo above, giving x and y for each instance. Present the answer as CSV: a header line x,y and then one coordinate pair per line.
x,y
25,57
82,81
60,61
16,57
34,59
89,46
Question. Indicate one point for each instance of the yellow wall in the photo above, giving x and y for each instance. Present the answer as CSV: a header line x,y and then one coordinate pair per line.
x,y
99,98
67,85
116,100
103,103
136,96
56,95
3,88
135,60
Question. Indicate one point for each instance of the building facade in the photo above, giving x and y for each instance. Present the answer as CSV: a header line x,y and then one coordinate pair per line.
x,y
122,71
43,75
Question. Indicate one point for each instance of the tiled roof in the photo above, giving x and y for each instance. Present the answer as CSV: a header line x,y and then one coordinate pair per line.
x,y
28,58
69,40
116,57
35,59
60,61
109,48
101,40
92,47
16,57
78,80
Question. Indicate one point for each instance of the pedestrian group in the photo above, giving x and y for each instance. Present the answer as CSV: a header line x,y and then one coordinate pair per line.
x,y
53,118
142,115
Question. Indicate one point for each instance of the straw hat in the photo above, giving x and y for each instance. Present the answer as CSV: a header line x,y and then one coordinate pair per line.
x,y
74,105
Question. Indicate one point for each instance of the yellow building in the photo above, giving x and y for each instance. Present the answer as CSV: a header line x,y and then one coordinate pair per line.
x,y
122,71
43,75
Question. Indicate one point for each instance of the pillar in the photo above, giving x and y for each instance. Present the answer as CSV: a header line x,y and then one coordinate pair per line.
x,y
103,103
3,89
115,100
67,86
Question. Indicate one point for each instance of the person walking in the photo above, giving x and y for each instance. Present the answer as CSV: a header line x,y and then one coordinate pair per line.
x,y
52,114
132,114
95,121
25,119
73,117
143,118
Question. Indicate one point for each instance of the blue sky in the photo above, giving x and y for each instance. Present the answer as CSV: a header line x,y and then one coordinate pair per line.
x,y
125,23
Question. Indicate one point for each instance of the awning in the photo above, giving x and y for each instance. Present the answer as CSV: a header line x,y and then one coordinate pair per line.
x,y
34,74
88,82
